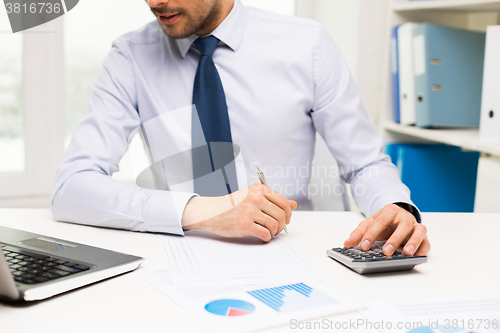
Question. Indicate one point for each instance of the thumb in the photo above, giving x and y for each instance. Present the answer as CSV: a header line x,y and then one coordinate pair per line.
x,y
293,204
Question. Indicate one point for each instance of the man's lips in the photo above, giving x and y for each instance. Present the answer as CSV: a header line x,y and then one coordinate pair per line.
x,y
169,19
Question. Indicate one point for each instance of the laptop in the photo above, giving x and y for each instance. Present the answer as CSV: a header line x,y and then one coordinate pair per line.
x,y
35,267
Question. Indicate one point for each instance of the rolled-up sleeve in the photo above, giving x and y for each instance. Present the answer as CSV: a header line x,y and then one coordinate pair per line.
x,y
340,117
84,191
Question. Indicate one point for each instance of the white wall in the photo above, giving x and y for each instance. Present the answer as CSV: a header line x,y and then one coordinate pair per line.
x,y
358,27
341,19
488,185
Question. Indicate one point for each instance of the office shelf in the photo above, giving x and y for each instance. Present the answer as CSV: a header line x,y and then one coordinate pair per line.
x,y
465,14
473,15
447,5
464,138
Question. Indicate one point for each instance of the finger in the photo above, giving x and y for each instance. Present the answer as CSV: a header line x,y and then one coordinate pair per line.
x,y
385,234
379,224
293,206
355,237
402,232
270,223
275,212
424,247
358,233
419,232
260,232
280,201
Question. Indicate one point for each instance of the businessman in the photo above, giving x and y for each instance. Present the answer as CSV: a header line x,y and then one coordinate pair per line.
x,y
263,82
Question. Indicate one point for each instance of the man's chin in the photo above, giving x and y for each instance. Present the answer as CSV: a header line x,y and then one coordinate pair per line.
x,y
175,33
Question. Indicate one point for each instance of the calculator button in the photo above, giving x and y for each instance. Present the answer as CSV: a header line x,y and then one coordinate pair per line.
x,y
52,259
55,271
41,279
35,271
50,275
67,269
70,264
82,267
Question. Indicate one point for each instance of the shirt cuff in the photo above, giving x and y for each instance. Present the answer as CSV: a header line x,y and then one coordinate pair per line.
x,y
410,208
163,211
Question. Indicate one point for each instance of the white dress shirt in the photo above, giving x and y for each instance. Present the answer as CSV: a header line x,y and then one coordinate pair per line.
x,y
284,79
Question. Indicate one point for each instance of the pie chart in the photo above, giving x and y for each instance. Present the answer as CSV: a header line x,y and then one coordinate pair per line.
x,y
230,307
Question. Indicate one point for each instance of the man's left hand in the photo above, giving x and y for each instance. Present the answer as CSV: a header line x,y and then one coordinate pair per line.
x,y
395,224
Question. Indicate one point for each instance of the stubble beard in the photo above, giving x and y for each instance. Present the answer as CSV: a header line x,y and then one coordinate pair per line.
x,y
197,23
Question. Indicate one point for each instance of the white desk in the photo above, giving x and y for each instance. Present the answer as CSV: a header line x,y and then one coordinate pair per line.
x,y
464,259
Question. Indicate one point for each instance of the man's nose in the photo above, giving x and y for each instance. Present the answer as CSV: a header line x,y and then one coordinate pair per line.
x,y
157,3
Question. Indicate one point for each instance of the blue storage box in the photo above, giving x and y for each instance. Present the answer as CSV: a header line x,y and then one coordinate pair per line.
x,y
441,178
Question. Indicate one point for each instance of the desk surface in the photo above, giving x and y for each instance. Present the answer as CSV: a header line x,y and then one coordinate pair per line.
x,y
464,259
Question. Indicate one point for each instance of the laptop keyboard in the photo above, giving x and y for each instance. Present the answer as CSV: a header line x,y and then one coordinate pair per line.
x,y
30,268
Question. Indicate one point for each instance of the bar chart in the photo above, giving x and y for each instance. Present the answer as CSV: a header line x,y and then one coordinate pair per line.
x,y
292,297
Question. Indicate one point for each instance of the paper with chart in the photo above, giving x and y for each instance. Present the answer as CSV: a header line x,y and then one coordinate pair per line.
x,y
202,259
452,314
247,308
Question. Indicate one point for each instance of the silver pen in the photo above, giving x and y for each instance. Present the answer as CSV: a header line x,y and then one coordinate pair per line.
x,y
263,181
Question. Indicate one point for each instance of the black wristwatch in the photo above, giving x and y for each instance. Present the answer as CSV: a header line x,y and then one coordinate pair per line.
x,y
412,209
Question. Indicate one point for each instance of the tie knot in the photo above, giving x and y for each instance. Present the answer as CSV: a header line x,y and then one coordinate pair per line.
x,y
206,45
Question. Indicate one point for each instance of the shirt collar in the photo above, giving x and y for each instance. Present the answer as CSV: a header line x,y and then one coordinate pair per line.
x,y
230,31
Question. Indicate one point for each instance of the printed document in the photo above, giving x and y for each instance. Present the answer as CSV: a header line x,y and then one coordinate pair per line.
x,y
246,308
451,314
203,259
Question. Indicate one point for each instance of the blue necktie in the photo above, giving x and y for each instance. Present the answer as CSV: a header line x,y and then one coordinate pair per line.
x,y
210,102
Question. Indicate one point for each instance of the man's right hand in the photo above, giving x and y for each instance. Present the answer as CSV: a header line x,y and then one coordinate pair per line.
x,y
259,211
